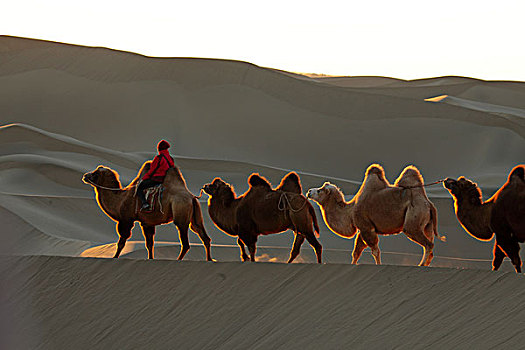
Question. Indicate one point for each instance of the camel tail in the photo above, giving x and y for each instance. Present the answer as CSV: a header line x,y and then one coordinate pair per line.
x,y
434,218
314,219
197,220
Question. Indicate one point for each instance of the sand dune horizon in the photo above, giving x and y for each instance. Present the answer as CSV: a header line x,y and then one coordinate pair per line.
x,y
67,109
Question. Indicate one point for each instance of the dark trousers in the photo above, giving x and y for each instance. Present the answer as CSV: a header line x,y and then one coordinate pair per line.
x,y
144,185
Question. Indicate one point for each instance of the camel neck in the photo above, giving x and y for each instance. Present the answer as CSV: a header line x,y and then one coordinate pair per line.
x,y
223,213
108,200
338,217
475,218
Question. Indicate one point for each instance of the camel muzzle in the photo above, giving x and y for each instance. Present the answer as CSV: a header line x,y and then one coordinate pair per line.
x,y
449,183
206,189
86,178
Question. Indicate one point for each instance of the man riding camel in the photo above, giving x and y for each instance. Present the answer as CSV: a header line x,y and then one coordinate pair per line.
x,y
157,171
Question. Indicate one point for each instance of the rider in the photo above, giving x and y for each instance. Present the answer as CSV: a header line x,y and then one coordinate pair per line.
x,y
157,171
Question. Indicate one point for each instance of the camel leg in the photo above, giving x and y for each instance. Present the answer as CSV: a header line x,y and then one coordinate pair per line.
x,y
184,242
197,226
515,256
359,246
499,255
124,232
512,250
149,234
252,247
298,241
206,240
428,246
244,256
372,240
428,254
310,237
251,242
376,253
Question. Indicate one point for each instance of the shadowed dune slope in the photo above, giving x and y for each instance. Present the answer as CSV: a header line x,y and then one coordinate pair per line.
x,y
196,305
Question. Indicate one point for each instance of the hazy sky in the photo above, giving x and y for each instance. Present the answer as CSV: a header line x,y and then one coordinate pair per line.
x,y
403,39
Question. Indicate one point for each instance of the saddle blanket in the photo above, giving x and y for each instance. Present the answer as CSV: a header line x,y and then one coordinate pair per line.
x,y
154,195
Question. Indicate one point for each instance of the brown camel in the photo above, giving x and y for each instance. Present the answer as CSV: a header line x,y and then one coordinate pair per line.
x,y
502,214
379,208
262,211
178,205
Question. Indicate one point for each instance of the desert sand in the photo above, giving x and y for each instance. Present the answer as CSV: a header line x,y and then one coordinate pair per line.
x,y
66,109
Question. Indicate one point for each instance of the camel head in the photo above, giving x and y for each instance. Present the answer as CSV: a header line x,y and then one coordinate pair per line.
x,y
218,188
322,194
102,176
463,188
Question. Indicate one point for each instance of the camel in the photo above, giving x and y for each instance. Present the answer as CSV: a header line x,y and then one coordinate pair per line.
x,y
503,214
178,205
262,211
379,208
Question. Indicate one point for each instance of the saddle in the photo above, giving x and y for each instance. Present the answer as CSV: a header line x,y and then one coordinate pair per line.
x,y
154,195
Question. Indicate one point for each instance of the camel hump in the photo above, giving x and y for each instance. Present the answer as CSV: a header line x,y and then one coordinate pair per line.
x,y
291,183
256,180
410,176
143,170
174,176
375,179
375,169
518,172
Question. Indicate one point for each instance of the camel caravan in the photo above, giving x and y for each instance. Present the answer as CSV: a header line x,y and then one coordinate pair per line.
x,y
378,208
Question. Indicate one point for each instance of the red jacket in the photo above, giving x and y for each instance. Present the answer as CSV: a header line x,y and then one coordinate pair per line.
x,y
160,165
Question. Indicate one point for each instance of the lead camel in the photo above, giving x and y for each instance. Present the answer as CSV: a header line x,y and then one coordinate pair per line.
x,y
121,205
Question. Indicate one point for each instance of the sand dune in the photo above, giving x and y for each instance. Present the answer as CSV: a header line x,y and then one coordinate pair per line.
x,y
196,305
485,107
66,109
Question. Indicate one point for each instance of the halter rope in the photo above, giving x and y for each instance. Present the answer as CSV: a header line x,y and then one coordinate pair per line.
x,y
200,194
284,202
425,185
107,188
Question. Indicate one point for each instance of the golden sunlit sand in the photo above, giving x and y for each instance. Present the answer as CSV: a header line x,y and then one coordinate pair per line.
x,y
67,109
